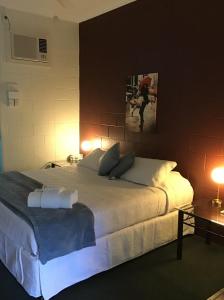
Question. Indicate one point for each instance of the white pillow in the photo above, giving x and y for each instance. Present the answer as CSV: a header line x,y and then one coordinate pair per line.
x,y
91,161
149,171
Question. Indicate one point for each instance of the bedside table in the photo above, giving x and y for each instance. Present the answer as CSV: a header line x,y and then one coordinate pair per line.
x,y
204,217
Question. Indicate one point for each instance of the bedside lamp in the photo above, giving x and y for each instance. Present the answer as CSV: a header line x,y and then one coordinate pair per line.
x,y
217,175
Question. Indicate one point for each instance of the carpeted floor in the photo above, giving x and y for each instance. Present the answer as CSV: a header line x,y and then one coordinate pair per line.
x,y
154,276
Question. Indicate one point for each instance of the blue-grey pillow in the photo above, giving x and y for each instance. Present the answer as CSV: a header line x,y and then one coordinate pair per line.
x,y
124,164
109,160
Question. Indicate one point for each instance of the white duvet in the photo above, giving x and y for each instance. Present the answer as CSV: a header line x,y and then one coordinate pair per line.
x,y
116,204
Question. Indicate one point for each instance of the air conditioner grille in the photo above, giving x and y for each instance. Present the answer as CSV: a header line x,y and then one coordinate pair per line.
x,y
24,46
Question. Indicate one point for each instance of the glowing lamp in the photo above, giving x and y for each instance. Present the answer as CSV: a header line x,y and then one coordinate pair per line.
x,y
217,175
86,146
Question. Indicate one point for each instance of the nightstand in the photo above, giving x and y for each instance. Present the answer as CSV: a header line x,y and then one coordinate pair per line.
x,y
204,217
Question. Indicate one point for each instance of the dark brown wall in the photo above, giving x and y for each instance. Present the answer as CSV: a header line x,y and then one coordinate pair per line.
x,y
183,41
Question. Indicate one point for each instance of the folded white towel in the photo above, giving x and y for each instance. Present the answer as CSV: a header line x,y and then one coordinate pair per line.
x,y
34,198
52,198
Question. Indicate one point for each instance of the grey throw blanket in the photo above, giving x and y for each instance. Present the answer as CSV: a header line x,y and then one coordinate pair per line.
x,y
57,231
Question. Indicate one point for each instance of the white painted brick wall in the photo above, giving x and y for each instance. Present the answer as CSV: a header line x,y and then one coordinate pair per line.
x,y
45,125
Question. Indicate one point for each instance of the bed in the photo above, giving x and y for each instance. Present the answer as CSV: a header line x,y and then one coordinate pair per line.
x,y
130,220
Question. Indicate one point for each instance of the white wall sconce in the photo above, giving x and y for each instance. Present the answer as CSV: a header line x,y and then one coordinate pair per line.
x,y
13,98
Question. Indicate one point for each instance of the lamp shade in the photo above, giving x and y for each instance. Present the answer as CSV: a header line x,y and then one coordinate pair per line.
x,y
217,175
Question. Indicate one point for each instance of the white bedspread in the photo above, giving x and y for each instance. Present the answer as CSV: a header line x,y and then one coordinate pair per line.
x,y
116,204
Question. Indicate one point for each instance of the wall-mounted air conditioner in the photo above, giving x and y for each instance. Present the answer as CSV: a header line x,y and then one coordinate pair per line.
x,y
29,48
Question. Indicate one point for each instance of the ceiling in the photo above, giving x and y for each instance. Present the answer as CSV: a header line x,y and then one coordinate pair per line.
x,y
70,10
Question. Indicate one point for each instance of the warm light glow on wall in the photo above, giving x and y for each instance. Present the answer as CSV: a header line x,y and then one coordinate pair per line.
x,y
65,145
89,145
96,143
217,175
66,141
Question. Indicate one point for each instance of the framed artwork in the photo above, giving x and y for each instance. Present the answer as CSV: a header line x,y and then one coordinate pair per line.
x,y
141,102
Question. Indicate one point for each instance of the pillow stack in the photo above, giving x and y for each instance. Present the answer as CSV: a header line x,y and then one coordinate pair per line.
x,y
108,163
113,165
145,171
125,163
